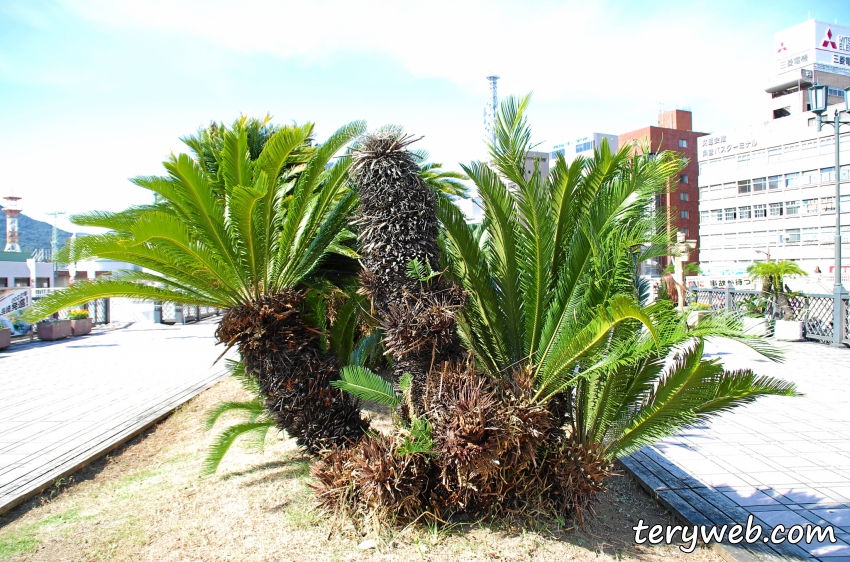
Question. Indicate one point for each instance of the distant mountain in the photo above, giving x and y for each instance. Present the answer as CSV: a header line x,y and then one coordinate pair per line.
x,y
32,234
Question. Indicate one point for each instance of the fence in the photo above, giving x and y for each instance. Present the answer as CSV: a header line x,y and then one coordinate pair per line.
x,y
170,313
815,311
98,308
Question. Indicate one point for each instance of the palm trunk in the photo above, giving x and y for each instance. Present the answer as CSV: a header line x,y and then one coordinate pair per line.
x,y
398,223
293,372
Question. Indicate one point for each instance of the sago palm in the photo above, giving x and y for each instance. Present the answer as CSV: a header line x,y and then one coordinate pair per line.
x,y
244,230
553,291
772,275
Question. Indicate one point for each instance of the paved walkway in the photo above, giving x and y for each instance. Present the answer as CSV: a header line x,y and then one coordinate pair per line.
x,y
65,403
784,460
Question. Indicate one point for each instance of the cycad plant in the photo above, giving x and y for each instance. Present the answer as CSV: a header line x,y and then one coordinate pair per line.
x,y
243,226
772,275
569,368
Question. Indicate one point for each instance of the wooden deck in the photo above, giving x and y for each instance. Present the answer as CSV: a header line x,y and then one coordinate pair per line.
x,y
64,404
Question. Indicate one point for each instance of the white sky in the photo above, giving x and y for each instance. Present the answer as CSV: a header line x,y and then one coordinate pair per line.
x,y
93,92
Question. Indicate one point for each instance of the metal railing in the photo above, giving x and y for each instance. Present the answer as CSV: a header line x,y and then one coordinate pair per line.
x,y
815,311
170,313
98,308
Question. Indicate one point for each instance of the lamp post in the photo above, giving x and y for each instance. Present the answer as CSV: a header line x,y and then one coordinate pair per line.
x,y
767,253
817,102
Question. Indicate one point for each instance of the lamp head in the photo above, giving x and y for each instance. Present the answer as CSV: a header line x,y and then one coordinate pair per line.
x,y
847,100
817,98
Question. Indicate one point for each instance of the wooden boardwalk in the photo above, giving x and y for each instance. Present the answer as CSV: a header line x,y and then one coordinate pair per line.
x,y
64,404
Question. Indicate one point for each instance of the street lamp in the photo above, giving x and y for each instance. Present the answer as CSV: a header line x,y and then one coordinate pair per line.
x,y
767,253
817,102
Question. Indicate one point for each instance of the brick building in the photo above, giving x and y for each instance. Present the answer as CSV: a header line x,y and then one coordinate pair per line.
x,y
675,132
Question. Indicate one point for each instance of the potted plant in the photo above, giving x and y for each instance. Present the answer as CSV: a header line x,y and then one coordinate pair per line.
x,y
773,288
80,322
5,335
696,312
755,314
53,329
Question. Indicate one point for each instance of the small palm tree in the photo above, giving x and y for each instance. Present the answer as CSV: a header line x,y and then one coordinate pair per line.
x,y
772,275
447,182
244,226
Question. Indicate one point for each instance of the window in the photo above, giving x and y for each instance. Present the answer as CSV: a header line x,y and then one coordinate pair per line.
x,y
774,155
717,215
776,209
743,160
703,191
715,187
792,236
729,186
826,145
731,214
683,178
686,232
827,204
3,282
827,235
22,281
792,207
810,206
827,174
745,238
809,177
744,186
584,146
703,217
791,152
703,168
759,184
683,143
809,148
792,179
810,235
728,163
759,211
684,214
773,182
730,239
683,196
758,158
759,238
745,212
845,170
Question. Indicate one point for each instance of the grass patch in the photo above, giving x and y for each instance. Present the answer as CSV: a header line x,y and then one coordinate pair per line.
x,y
149,502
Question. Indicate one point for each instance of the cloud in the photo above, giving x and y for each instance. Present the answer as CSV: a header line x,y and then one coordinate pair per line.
x,y
607,50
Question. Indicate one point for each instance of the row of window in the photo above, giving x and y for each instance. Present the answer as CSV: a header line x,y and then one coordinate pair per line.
x,y
763,210
785,153
812,235
791,179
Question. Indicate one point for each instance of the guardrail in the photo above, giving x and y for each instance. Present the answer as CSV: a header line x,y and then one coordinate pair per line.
x,y
98,308
815,311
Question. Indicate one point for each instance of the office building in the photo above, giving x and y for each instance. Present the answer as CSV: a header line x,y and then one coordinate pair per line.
x,y
674,133
768,189
583,146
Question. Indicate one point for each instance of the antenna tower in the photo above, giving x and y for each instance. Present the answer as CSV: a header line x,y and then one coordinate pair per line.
x,y
54,240
490,111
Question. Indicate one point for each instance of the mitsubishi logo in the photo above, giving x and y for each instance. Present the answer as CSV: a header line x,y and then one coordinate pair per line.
x,y
828,42
782,47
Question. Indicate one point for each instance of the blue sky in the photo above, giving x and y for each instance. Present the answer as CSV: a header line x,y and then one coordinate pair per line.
x,y
93,92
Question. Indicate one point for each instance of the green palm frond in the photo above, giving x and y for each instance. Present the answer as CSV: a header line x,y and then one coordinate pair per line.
x,y
367,386
223,442
252,410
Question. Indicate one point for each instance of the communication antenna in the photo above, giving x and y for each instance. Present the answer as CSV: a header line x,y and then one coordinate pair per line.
x,y
490,110
54,241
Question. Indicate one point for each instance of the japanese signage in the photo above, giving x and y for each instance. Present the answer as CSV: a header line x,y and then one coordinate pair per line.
x,y
714,146
811,42
12,304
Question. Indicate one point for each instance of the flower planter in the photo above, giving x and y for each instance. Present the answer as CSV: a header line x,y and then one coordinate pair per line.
x,y
788,330
5,337
697,316
49,331
80,327
755,326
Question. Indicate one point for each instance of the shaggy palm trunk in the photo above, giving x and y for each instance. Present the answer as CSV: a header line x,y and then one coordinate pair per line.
x,y
293,372
397,222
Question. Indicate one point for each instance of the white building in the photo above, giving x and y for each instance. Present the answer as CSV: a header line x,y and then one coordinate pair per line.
x,y
770,187
582,146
